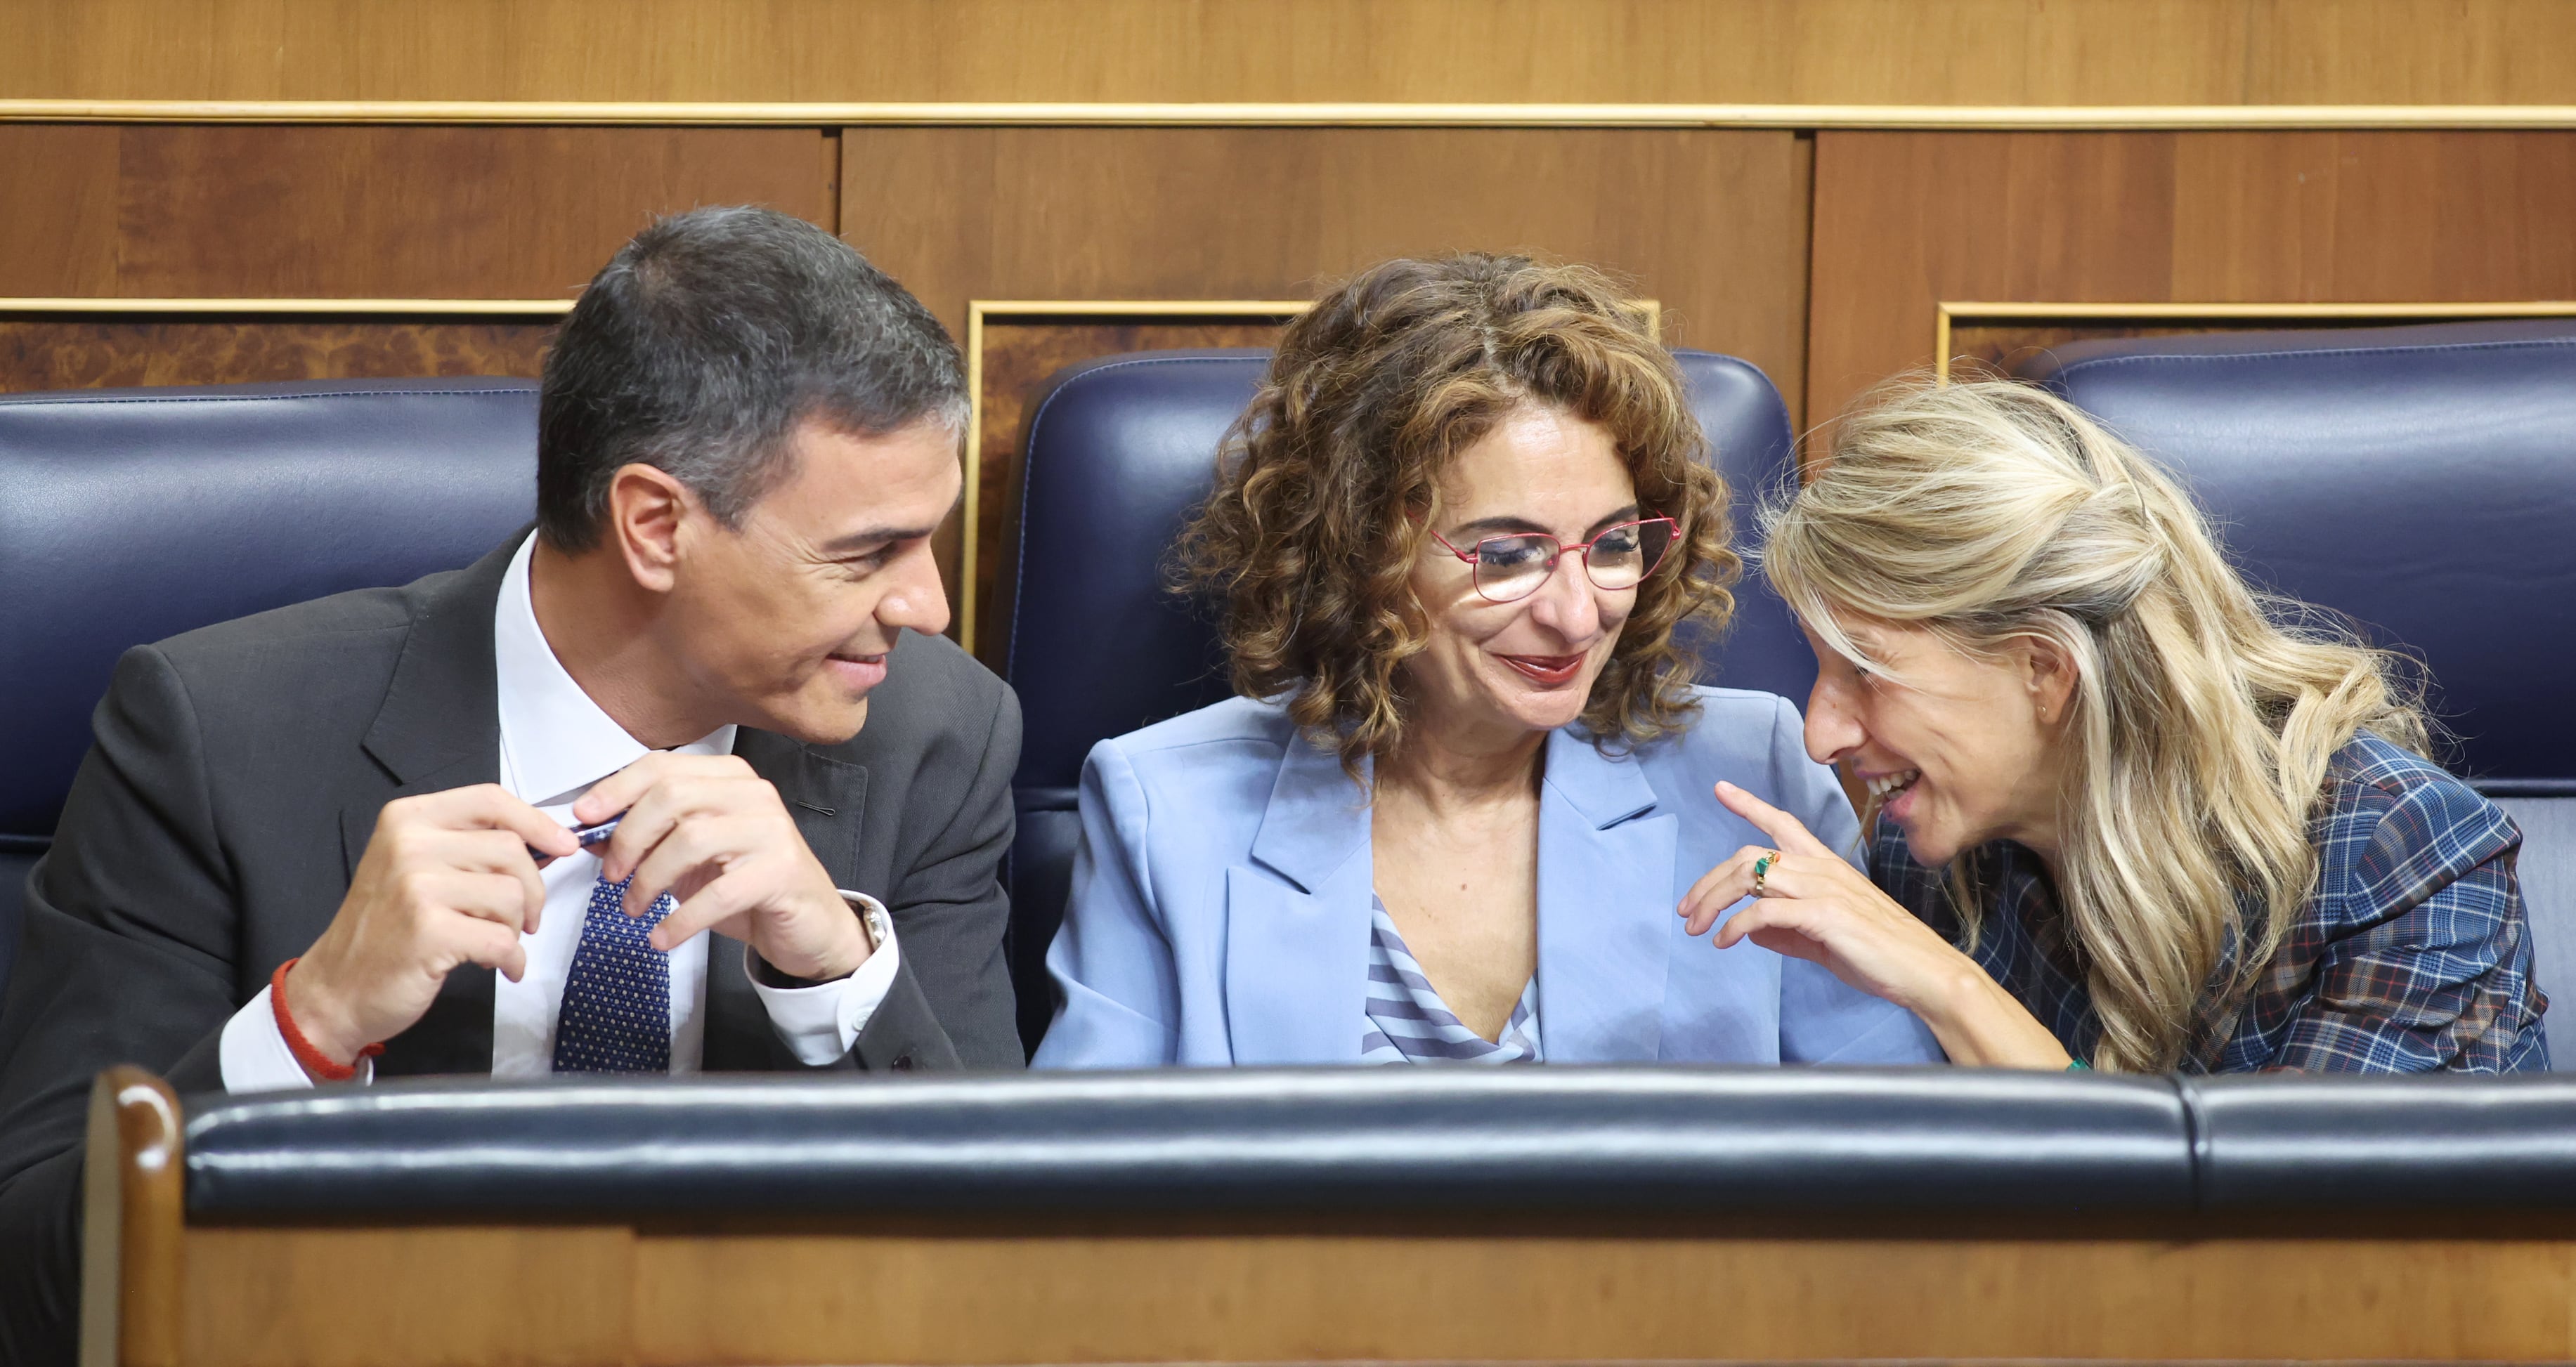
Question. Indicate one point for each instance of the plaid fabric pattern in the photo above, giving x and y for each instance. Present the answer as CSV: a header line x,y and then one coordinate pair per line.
x,y
2413,955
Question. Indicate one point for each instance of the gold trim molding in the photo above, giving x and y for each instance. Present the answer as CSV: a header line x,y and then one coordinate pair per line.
x,y
445,308
1950,313
1302,115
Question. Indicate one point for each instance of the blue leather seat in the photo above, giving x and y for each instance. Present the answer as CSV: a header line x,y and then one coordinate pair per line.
x,y
134,514
1119,450
2421,480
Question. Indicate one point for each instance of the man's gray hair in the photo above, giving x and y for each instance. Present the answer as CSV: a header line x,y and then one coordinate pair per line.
x,y
706,342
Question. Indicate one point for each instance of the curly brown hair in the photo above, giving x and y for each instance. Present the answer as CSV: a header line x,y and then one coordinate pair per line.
x,y
1328,486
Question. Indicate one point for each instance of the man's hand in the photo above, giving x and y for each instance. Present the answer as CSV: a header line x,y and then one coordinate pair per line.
x,y
447,879
715,835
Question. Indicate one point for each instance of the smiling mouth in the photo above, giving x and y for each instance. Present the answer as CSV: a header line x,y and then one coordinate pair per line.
x,y
863,671
1885,787
1550,671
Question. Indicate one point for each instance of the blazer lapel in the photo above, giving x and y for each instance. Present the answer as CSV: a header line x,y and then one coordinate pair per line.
x,y
825,796
827,799
1297,919
439,728
1605,906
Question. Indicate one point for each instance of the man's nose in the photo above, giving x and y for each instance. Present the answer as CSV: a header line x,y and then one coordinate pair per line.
x,y
916,599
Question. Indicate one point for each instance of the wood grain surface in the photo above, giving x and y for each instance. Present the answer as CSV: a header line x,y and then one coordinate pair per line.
x,y
1712,224
133,1261
1762,51
39,352
1906,220
342,212
590,1295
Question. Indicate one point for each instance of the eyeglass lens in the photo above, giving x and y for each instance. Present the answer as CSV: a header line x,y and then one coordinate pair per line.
x,y
1509,567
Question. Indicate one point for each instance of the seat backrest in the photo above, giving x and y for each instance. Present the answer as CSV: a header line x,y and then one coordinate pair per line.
x,y
130,515
1119,451
2421,480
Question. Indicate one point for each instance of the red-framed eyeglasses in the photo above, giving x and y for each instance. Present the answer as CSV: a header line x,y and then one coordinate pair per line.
x,y
1510,568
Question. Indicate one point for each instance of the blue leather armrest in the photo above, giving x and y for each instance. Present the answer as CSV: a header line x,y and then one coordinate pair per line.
x,y
2465,1144
1586,1140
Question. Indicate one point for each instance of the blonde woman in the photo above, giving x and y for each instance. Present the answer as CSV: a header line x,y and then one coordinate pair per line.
x,y
2123,813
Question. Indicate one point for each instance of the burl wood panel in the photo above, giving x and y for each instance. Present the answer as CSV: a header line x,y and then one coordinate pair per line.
x,y
1904,220
986,1295
355,212
1020,354
1711,224
39,352
1764,51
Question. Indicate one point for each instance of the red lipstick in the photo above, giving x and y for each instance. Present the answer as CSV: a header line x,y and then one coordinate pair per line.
x,y
1547,671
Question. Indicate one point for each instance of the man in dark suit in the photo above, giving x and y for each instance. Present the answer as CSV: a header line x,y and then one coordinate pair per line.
x,y
336,842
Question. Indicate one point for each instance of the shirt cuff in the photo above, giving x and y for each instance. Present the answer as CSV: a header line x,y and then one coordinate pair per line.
x,y
819,1023
254,1056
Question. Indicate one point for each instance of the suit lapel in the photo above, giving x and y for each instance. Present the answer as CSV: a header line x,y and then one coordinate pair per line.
x,y
1297,919
1605,906
824,795
439,727
826,798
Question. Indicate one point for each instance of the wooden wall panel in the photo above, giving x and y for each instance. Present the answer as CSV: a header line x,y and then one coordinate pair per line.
x,y
1759,51
58,193
323,212
41,352
1220,1292
1904,220
1711,224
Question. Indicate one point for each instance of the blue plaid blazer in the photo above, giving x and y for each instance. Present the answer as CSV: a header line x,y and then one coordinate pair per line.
x,y
2413,955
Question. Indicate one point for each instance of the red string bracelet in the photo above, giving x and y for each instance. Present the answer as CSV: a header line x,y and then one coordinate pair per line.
x,y
322,1069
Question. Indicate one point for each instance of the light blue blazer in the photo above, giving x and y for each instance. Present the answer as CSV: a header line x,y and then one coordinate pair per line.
x,y
1220,904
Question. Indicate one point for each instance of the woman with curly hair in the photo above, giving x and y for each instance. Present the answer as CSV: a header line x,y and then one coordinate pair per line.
x,y
1468,777
2127,814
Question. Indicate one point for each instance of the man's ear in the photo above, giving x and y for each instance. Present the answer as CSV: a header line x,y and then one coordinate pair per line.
x,y
2051,676
647,514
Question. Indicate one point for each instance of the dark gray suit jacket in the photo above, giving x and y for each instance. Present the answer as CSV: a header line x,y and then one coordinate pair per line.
x,y
235,778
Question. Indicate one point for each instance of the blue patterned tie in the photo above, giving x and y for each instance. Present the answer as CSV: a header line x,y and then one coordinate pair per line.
x,y
616,1015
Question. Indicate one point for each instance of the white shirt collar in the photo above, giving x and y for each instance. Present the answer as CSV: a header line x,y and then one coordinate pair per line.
x,y
555,742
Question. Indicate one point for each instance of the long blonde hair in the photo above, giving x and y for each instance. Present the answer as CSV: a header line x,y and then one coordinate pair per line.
x,y
2204,716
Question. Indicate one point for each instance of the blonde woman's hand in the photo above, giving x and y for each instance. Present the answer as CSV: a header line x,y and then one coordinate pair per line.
x,y
1810,904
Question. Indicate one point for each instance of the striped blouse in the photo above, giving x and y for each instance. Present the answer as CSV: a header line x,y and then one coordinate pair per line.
x,y
1408,1023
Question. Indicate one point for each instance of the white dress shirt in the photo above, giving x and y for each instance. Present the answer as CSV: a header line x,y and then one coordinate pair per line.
x,y
556,743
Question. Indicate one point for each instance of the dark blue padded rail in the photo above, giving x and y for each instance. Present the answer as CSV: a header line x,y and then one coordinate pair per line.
x,y
128,515
2424,1143
1376,1141
1119,451
1591,1140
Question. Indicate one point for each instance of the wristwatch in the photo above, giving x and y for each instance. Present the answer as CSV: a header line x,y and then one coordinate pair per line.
x,y
874,919
878,922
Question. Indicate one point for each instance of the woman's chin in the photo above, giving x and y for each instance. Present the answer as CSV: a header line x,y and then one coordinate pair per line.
x,y
1542,709
1929,848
